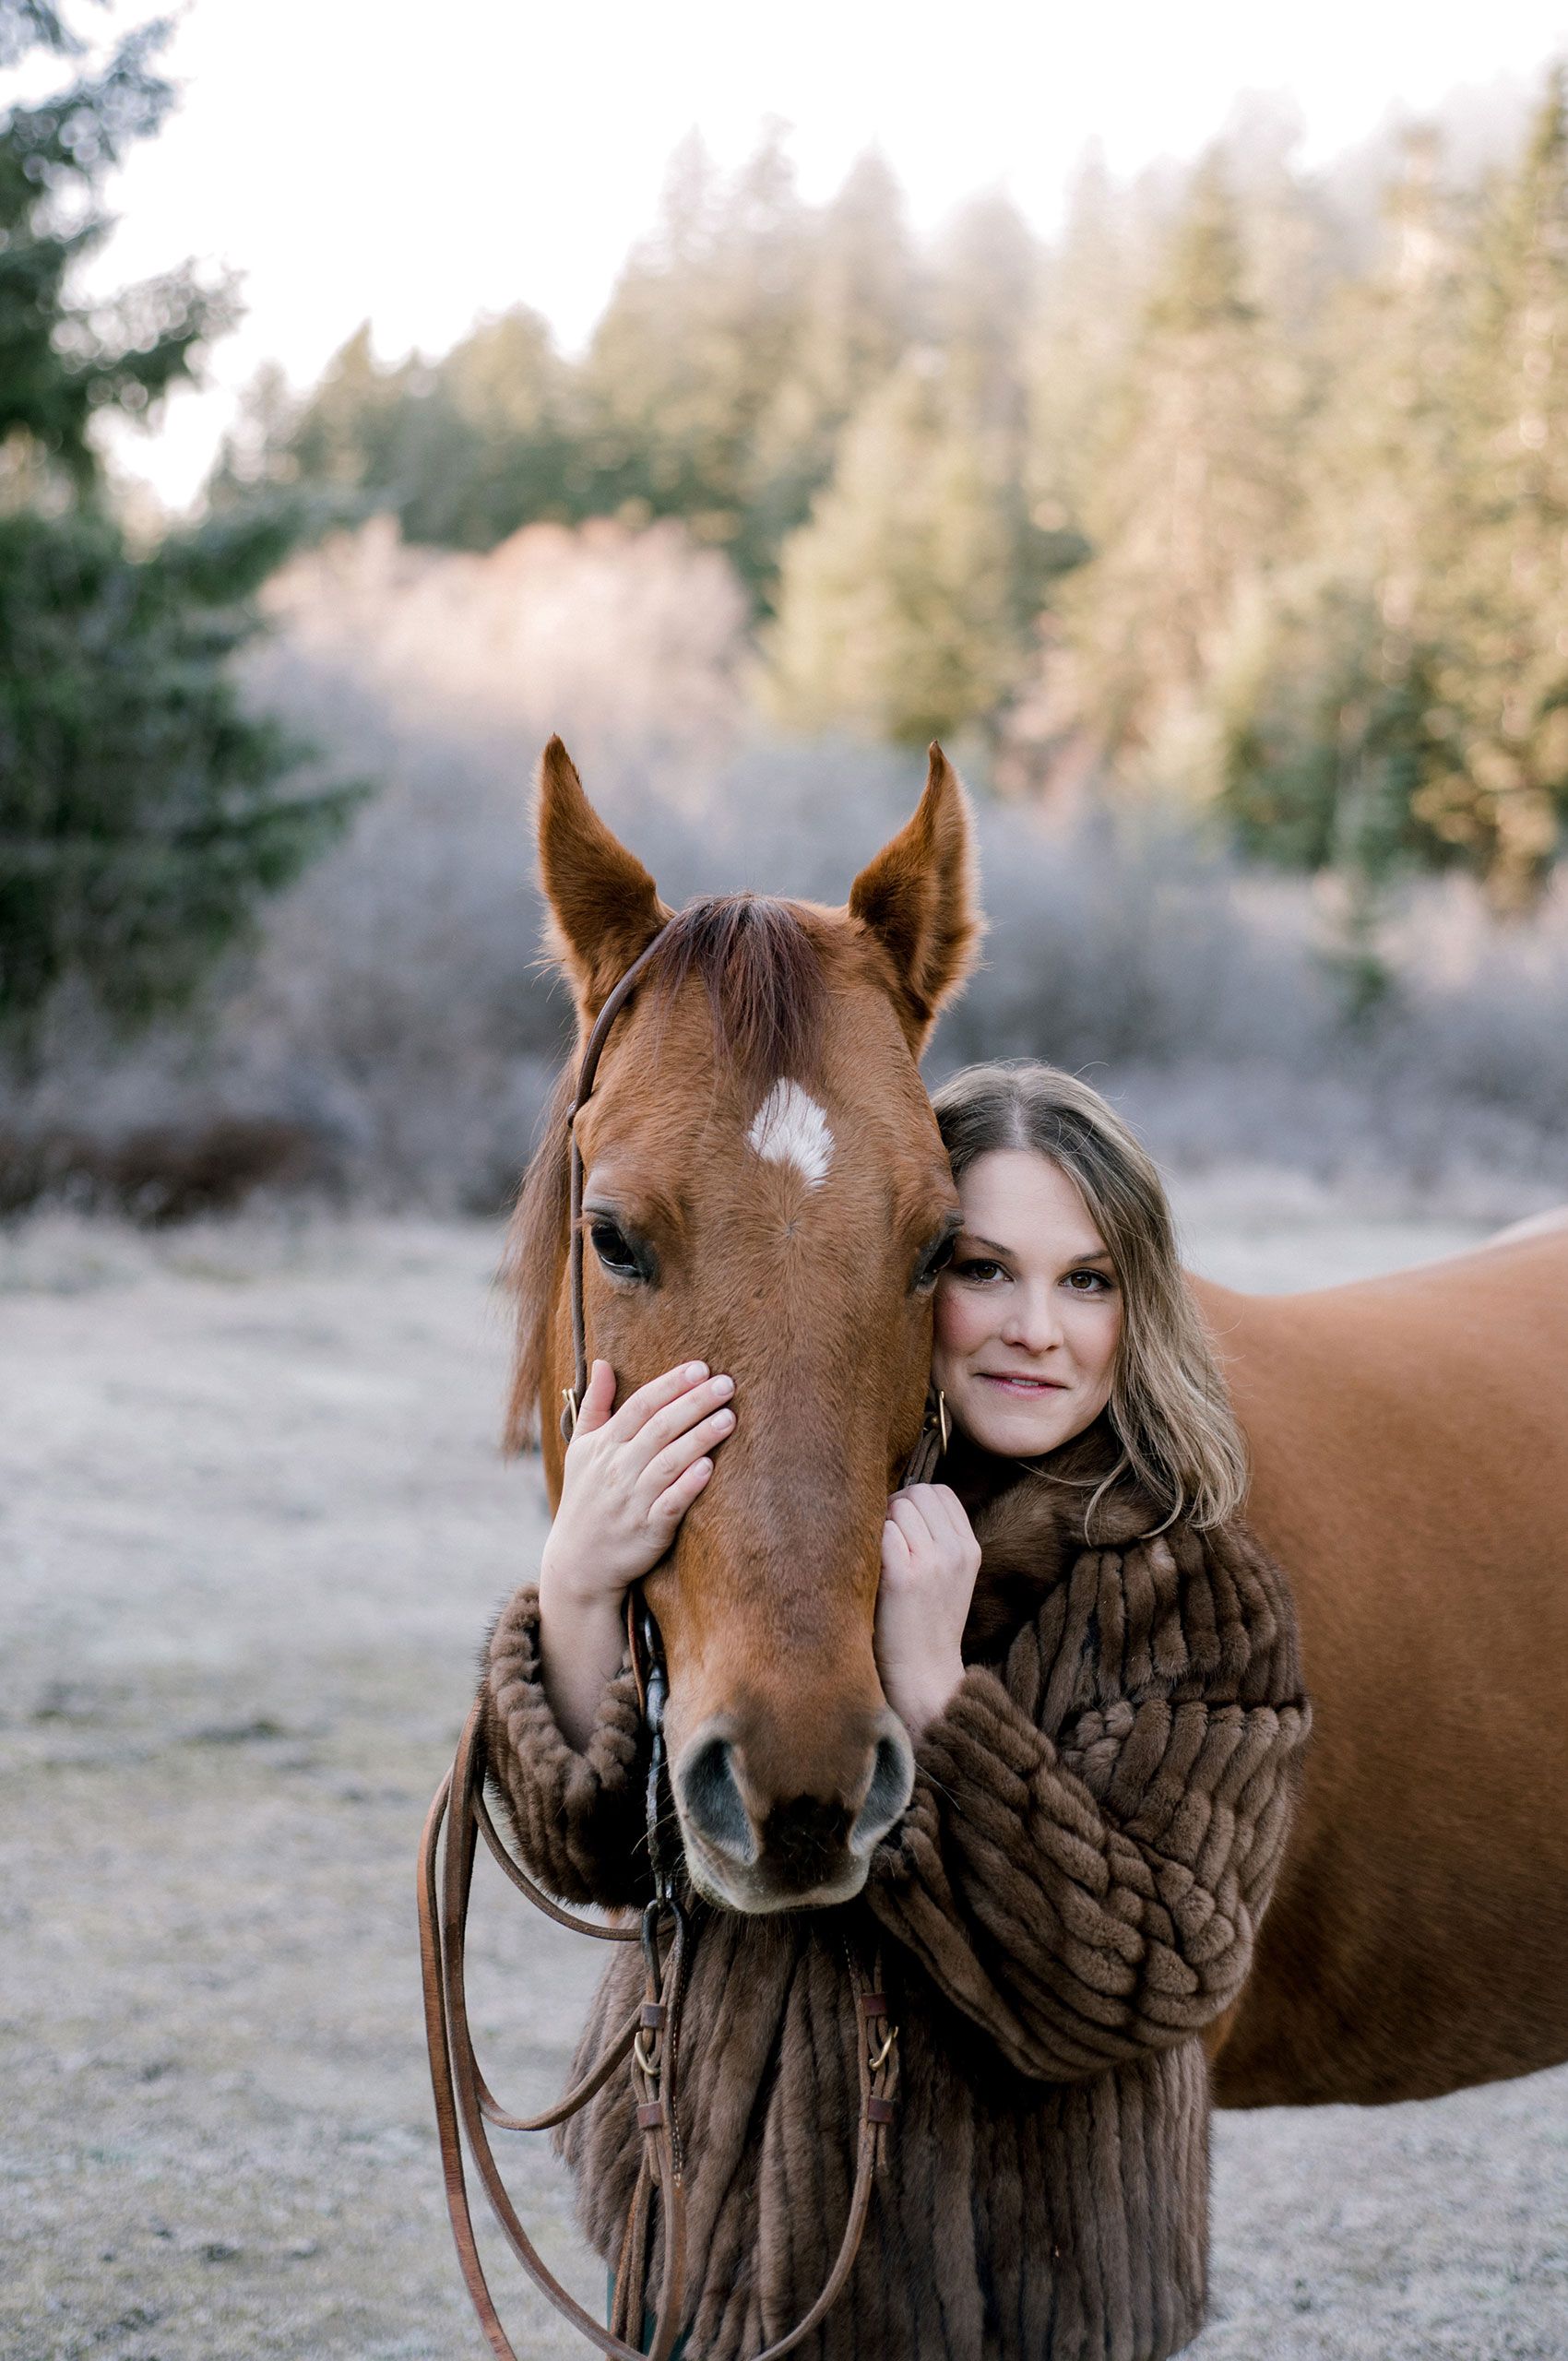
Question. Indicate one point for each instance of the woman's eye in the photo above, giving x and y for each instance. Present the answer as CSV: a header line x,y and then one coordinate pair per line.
x,y
1092,1282
976,1267
615,1250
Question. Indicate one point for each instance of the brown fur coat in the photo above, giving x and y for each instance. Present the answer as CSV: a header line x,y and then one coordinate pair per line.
x,y
1070,1899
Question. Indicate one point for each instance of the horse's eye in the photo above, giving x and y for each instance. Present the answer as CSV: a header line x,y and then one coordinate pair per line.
x,y
933,1261
614,1250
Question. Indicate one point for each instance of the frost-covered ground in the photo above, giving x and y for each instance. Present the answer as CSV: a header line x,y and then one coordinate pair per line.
x,y
253,1522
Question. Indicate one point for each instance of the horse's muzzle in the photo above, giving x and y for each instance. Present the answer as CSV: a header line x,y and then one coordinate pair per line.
x,y
749,1847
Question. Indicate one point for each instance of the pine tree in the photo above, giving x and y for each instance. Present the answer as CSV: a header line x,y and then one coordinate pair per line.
x,y
142,811
1401,696
698,337
1324,690
1079,340
350,435
141,808
857,312
462,451
64,360
1191,497
984,296
894,612
1501,603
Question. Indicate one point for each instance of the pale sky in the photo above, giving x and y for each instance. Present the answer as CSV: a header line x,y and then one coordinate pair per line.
x,y
420,165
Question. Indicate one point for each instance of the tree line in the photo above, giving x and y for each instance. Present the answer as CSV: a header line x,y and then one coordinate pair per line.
x,y
1254,502
143,811
1225,492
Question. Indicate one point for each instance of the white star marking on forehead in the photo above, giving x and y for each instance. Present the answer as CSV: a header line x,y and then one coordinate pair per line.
x,y
790,1128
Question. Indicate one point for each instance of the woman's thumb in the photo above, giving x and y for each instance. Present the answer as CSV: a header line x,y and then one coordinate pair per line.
x,y
599,1398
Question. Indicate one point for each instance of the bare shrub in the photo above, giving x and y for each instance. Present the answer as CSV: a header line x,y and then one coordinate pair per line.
x,y
162,1172
631,644
395,1026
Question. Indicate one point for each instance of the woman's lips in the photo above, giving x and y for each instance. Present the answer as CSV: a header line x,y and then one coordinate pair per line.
x,y
1024,1385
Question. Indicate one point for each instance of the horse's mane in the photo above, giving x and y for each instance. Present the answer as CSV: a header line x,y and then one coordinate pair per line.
x,y
760,964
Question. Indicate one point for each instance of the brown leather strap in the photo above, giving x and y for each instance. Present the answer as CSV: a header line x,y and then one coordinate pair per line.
x,y
931,1442
536,1894
466,2105
588,1068
443,1901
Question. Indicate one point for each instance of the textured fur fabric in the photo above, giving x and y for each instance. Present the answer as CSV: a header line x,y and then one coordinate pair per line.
x,y
1070,1899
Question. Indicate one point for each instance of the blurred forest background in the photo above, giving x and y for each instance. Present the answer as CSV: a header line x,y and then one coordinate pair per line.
x,y
1221,536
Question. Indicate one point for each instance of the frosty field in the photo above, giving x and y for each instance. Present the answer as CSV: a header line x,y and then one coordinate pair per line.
x,y
253,1522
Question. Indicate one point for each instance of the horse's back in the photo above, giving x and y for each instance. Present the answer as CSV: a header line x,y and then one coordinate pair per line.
x,y
1434,1401
1410,1444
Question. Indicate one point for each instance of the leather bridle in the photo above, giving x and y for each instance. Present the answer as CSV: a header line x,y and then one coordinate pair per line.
x,y
649,2043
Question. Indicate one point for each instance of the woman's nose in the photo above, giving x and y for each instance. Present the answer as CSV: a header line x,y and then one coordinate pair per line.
x,y
1031,1325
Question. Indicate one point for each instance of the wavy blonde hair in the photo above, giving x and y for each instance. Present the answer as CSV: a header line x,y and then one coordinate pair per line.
x,y
1169,1408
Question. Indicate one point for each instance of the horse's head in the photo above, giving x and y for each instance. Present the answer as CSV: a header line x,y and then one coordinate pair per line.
x,y
764,1188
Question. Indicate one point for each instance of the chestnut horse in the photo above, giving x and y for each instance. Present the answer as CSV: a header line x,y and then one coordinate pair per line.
x,y
1409,1438
765,1186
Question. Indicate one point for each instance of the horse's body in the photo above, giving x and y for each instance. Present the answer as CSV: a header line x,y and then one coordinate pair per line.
x,y
759,1134
1409,1442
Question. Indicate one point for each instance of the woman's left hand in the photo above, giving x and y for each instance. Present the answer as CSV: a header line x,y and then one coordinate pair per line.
x,y
930,1559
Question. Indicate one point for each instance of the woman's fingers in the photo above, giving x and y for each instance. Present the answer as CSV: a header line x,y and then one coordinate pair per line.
x,y
934,1525
943,1507
896,1558
678,1418
598,1399
631,1475
905,1512
943,1512
638,1407
677,1498
665,1465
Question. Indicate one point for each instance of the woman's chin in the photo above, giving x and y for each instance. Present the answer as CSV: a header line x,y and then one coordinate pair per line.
x,y
1018,1430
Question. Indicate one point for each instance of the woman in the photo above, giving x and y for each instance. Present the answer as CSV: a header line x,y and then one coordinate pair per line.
x,y
1099,1668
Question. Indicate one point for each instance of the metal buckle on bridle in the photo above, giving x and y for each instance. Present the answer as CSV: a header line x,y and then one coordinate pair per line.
x,y
884,2051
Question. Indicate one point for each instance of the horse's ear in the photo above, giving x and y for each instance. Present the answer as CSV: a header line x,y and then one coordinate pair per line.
x,y
604,907
918,897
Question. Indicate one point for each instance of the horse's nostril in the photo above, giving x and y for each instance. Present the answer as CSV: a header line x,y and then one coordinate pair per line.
x,y
797,1844
711,1800
892,1782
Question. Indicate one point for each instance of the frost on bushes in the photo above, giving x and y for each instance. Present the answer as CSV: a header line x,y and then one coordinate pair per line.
x,y
630,644
393,1040
393,1029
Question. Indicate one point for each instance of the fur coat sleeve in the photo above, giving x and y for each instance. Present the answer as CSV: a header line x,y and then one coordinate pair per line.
x,y
580,1819
1098,1816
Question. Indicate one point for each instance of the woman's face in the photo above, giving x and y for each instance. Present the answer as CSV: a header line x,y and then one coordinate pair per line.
x,y
1028,1313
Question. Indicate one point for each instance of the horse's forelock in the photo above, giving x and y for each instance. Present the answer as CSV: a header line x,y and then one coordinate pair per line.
x,y
761,969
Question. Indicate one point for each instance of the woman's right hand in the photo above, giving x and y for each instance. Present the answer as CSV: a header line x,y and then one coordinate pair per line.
x,y
629,1476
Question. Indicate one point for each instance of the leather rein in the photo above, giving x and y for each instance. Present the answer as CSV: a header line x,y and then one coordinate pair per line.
x,y
649,2042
